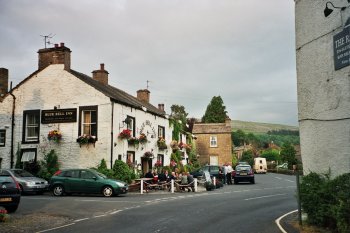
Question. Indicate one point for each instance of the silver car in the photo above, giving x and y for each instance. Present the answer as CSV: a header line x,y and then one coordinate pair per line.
x,y
28,182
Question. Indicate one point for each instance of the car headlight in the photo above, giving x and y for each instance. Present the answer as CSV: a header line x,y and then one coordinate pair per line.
x,y
30,183
120,184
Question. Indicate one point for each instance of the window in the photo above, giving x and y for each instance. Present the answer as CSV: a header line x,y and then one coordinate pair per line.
x,y
88,120
160,158
213,141
161,131
31,126
2,137
28,155
86,175
130,124
130,158
71,173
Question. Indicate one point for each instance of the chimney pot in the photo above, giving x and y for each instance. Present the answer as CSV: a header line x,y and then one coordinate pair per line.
x,y
62,44
102,66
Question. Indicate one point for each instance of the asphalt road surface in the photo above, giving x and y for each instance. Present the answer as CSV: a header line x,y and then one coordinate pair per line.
x,y
242,208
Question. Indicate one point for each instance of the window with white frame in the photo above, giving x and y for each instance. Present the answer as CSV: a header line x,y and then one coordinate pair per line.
x,y
88,120
161,131
213,141
28,156
31,126
130,124
2,137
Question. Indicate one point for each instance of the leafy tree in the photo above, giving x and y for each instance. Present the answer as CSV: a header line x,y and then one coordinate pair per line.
x,y
178,113
239,138
288,154
247,156
216,111
271,155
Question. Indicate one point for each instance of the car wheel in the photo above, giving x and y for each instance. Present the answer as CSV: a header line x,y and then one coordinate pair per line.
x,y
11,209
58,190
107,191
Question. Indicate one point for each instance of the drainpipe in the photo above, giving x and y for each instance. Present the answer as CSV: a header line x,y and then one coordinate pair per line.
x,y
12,125
112,115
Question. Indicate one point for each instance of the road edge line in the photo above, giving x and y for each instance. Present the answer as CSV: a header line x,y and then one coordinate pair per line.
x,y
277,221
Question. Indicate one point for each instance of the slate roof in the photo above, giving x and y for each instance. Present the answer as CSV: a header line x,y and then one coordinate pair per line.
x,y
211,128
115,94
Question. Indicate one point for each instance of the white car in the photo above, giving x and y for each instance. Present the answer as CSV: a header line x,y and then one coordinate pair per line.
x,y
283,165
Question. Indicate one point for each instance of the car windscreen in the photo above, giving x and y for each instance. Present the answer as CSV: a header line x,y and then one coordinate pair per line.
x,y
242,168
101,175
21,173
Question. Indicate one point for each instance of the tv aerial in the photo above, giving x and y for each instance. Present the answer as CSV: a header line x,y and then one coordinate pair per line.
x,y
47,39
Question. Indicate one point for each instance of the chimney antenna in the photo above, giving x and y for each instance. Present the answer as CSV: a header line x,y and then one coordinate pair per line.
x,y
148,83
46,38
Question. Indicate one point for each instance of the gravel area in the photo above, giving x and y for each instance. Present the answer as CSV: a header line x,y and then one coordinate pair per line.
x,y
32,222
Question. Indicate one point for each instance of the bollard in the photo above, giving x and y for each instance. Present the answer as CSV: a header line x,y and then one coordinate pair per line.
x,y
172,186
195,185
214,181
141,186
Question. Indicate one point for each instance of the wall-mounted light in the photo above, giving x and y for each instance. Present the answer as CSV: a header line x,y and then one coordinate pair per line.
x,y
327,11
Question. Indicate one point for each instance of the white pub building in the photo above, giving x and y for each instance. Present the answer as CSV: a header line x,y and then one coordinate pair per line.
x,y
82,115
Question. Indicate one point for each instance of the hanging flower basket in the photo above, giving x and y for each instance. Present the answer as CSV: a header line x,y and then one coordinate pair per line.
x,y
54,135
158,164
125,134
148,154
143,138
161,144
86,139
174,145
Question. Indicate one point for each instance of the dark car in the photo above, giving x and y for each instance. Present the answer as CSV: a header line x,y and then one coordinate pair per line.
x,y
85,181
28,182
10,192
212,169
243,173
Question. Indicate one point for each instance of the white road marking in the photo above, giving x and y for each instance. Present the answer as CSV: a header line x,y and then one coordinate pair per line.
x,y
253,198
82,219
55,228
277,221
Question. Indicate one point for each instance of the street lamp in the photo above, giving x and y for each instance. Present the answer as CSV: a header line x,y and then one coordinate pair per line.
x,y
327,11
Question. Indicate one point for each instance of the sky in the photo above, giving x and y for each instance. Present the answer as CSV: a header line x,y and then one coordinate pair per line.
x,y
188,50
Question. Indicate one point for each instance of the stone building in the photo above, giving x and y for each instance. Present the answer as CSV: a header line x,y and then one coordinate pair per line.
x,y
323,83
213,143
88,113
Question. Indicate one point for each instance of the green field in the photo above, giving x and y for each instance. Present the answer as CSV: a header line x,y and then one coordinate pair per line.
x,y
257,128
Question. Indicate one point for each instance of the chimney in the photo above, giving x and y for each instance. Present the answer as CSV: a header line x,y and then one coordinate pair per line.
x,y
101,75
143,95
56,55
161,107
4,80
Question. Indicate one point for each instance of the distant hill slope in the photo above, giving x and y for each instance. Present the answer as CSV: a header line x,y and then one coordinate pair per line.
x,y
255,127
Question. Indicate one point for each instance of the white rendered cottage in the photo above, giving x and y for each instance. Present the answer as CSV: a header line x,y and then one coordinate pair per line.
x,y
55,97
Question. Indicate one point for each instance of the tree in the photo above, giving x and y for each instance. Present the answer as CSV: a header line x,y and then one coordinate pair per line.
x,y
271,155
216,111
247,156
178,113
239,138
288,154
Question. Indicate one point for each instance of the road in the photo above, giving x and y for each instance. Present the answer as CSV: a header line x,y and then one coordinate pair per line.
x,y
235,208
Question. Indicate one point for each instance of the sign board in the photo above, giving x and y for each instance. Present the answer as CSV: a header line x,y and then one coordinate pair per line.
x,y
59,115
341,46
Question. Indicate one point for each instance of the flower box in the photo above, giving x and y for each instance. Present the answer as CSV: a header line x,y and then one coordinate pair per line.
x,y
161,144
143,138
86,139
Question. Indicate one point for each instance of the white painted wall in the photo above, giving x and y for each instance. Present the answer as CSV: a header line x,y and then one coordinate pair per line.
x,y
56,87
323,93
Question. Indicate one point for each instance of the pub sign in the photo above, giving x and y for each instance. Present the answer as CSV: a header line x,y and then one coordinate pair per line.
x,y
59,115
341,46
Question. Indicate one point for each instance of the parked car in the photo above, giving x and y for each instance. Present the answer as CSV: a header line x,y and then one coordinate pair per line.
x,y
283,166
28,182
10,192
85,181
243,173
212,169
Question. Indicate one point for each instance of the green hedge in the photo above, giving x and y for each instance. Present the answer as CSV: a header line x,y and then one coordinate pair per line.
x,y
326,201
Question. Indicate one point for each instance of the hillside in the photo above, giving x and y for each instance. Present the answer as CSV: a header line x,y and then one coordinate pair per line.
x,y
255,127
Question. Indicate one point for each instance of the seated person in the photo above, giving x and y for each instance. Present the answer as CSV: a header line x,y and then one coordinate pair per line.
x,y
190,181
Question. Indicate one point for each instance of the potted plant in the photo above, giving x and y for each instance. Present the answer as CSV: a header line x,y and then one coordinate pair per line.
x,y
161,143
125,134
148,154
3,215
143,138
54,135
132,141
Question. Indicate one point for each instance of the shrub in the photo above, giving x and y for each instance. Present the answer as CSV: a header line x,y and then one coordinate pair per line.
x,y
49,165
122,171
327,202
102,168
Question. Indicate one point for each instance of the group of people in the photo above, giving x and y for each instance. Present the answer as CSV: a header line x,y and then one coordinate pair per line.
x,y
181,180
225,174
